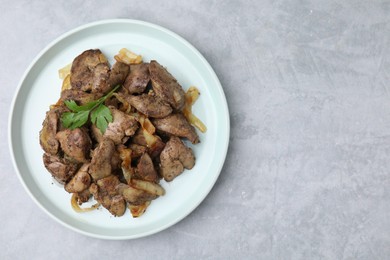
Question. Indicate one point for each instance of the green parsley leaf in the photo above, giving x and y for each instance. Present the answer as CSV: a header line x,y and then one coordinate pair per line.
x,y
67,118
74,120
100,117
72,105
99,114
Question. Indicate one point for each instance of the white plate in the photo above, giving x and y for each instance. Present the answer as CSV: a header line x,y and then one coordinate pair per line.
x,y
40,87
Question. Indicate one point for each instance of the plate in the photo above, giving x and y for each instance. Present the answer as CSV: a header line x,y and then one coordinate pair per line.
x,y
40,87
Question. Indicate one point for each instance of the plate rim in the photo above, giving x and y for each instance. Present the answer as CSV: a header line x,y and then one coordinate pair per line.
x,y
96,24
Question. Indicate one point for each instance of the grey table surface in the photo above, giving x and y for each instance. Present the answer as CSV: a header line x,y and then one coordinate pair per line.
x,y
307,171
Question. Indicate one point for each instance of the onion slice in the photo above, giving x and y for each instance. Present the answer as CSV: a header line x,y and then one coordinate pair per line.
x,y
151,187
191,96
76,207
126,106
65,71
148,130
66,83
137,210
128,57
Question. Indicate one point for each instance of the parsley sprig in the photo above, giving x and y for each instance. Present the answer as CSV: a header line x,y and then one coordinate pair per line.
x,y
96,111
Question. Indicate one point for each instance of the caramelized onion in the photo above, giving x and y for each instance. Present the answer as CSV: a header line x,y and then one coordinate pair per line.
x,y
128,57
76,207
192,95
125,155
137,210
126,105
65,71
151,187
148,130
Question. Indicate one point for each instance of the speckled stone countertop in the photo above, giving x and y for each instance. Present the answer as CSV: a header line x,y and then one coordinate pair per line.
x,y
307,175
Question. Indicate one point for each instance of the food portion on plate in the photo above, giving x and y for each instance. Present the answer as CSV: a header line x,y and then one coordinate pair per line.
x,y
116,131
